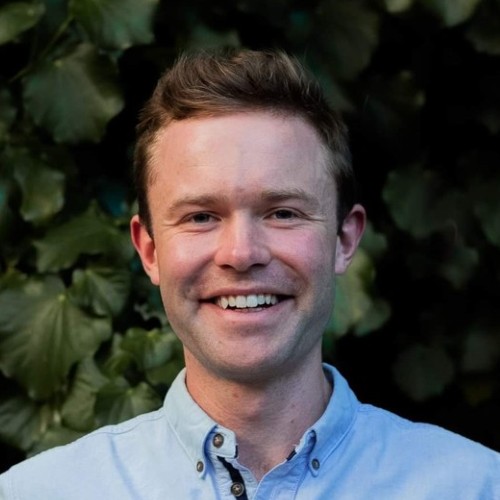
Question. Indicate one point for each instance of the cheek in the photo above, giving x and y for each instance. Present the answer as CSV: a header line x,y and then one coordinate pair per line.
x,y
180,260
311,253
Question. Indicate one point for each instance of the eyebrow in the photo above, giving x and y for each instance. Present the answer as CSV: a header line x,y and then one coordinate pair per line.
x,y
270,196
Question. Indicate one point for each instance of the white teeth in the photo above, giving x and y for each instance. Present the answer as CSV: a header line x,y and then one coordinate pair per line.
x,y
246,301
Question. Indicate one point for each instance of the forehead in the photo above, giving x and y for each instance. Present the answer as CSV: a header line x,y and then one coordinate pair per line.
x,y
285,143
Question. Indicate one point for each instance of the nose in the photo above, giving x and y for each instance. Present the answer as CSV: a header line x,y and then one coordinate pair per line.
x,y
242,244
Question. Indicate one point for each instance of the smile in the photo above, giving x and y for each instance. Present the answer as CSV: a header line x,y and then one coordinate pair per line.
x,y
246,301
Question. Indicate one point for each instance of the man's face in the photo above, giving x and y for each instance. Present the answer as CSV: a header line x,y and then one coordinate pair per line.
x,y
245,244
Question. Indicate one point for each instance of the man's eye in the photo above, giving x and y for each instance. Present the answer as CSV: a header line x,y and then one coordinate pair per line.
x,y
201,218
284,214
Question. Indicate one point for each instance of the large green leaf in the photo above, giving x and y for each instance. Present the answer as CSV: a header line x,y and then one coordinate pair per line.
x,y
460,265
422,372
88,234
8,112
42,187
17,17
42,334
484,31
22,421
75,96
452,12
392,111
117,401
104,289
346,31
396,6
481,350
149,349
6,214
116,24
56,435
355,308
487,208
78,409
415,201
202,37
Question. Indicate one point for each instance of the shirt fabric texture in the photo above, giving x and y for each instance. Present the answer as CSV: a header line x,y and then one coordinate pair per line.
x,y
354,451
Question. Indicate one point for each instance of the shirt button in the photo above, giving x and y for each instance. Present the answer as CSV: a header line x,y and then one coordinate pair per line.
x,y
218,440
315,463
237,489
199,466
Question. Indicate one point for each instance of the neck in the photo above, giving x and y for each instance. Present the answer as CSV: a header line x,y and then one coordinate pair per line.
x,y
268,418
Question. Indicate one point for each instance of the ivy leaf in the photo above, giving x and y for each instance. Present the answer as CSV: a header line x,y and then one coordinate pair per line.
x,y
8,112
116,24
117,401
481,351
487,209
42,187
57,435
149,349
17,17
119,360
202,37
22,421
346,32
484,31
104,289
422,372
354,306
459,267
451,12
396,6
392,111
410,196
78,409
6,214
88,234
80,84
42,334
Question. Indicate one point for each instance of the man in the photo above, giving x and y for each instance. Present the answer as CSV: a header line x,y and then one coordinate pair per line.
x,y
246,214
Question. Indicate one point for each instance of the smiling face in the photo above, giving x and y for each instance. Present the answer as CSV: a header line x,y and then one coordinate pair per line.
x,y
245,244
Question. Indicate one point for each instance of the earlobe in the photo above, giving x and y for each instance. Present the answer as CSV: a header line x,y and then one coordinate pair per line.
x,y
349,237
145,246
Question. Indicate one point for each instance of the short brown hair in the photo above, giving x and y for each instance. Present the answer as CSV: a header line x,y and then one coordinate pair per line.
x,y
218,83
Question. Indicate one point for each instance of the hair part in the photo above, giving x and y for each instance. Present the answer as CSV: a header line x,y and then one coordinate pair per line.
x,y
208,84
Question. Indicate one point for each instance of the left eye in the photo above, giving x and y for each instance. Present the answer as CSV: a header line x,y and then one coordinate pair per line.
x,y
201,218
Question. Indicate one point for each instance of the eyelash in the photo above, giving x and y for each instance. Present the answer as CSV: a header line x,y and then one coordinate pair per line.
x,y
279,214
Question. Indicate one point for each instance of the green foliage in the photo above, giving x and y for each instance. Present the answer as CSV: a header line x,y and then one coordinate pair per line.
x,y
84,340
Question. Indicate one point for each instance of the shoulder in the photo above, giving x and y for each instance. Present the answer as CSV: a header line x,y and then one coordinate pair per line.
x,y
97,456
425,449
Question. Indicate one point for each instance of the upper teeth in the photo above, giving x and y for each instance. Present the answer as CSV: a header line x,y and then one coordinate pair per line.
x,y
244,301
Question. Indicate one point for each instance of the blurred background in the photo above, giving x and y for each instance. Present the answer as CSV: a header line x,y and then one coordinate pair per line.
x,y
83,337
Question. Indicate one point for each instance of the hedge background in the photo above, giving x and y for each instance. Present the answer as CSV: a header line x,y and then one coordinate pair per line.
x,y
83,338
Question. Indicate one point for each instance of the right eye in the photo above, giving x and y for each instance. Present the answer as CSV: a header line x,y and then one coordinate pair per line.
x,y
201,218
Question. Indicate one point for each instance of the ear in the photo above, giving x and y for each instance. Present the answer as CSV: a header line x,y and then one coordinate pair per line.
x,y
349,237
145,246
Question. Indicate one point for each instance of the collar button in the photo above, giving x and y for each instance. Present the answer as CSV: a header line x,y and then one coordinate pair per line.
x,y
315,463
218,440
199,466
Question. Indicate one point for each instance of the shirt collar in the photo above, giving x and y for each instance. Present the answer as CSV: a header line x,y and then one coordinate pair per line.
x,y
195,428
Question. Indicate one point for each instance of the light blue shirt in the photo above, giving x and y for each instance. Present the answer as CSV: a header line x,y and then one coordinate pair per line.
x,y
354,451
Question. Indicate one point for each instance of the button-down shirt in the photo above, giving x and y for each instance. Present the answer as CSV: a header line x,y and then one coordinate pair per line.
x,y
354,451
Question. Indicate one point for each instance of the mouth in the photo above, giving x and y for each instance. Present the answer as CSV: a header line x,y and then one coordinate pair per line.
x,y
252,301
